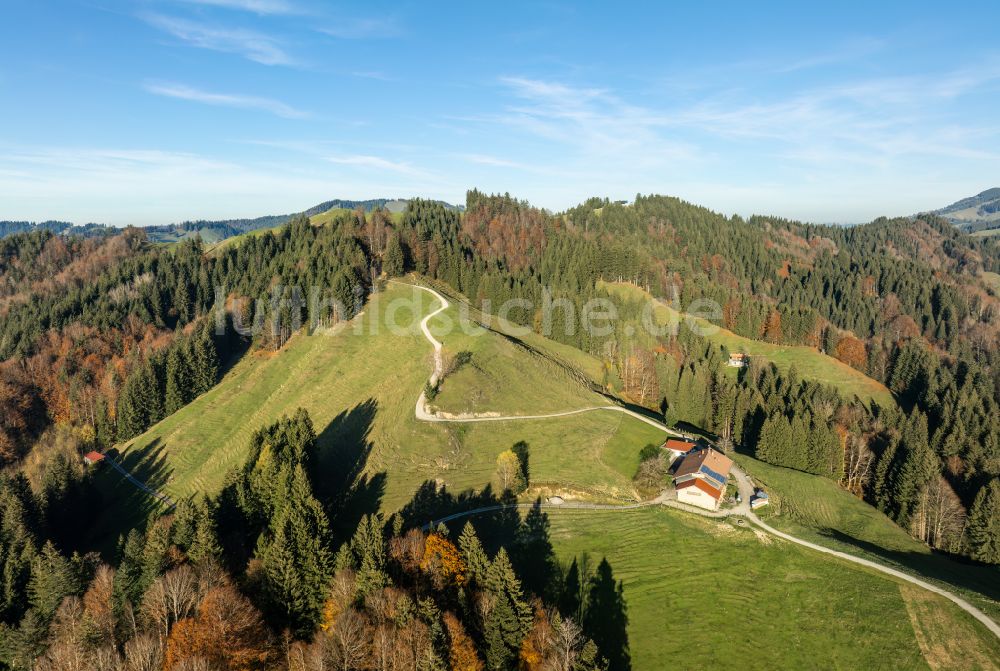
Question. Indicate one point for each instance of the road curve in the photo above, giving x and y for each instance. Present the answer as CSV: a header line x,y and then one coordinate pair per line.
x,y
424,414
743,481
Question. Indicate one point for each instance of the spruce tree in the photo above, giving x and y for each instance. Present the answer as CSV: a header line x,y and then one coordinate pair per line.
x,y
205,541
204,361
392,260
53,577
295,559
473,553
983,527
177,382
510,617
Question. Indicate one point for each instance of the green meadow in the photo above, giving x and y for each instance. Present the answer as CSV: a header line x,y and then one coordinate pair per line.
x,y
704,594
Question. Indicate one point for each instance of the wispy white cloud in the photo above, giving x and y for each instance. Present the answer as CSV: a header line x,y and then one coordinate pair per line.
x,y
851,50
183,92
375,163
250,44
372,74
593,121
359,28
866,120
263,7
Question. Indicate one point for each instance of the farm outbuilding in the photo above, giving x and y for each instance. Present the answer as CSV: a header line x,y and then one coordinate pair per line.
x,y
678,448
737,359
759,499
92,458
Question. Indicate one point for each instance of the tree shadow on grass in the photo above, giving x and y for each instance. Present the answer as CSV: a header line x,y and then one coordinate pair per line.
x,y
605,617
496,528
954,570
120,504
338,473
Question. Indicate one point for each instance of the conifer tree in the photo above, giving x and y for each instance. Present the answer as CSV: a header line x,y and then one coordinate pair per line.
x,y
393,261
509,619
178,384
128,586
473,553
53,577
983,527
204,361
294,558
205,541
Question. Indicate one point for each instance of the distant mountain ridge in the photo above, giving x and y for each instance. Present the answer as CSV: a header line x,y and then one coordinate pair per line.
x,y
976,213
210,231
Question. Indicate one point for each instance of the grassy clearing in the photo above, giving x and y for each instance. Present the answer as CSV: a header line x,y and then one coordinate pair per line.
x,y
324,218
360,386
508,374
317,220
948,642
987,233
237,240
810,362
715,596
817,510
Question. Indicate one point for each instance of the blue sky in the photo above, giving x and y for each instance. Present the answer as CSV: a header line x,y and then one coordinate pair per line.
x,y
163,110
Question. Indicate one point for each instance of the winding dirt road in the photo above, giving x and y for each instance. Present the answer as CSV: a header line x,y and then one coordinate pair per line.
x,y
424,414
743,481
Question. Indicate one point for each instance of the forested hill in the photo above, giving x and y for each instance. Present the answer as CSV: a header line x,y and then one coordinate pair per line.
x,y
208,230
910,303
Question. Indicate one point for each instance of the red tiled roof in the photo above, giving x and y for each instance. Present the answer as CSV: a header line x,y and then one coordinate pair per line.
x,y
716,461
703,486
678,445
93,456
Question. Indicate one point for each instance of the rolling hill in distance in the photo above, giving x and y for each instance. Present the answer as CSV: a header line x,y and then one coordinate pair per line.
x,y
976,214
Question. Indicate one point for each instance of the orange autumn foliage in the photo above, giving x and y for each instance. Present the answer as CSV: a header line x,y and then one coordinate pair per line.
x,y
852,351
443,562
772,328
462,654
228,633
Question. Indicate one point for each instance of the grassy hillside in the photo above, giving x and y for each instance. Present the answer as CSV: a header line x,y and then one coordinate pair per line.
x,y
719,596
320,219
509,372
238,239
816,509
360,386
810,362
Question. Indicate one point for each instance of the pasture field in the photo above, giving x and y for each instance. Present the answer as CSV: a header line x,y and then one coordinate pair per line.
x,y
704,593
818,510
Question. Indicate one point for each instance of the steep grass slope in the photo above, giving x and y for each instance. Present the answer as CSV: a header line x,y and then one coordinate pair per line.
x,y
360,386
